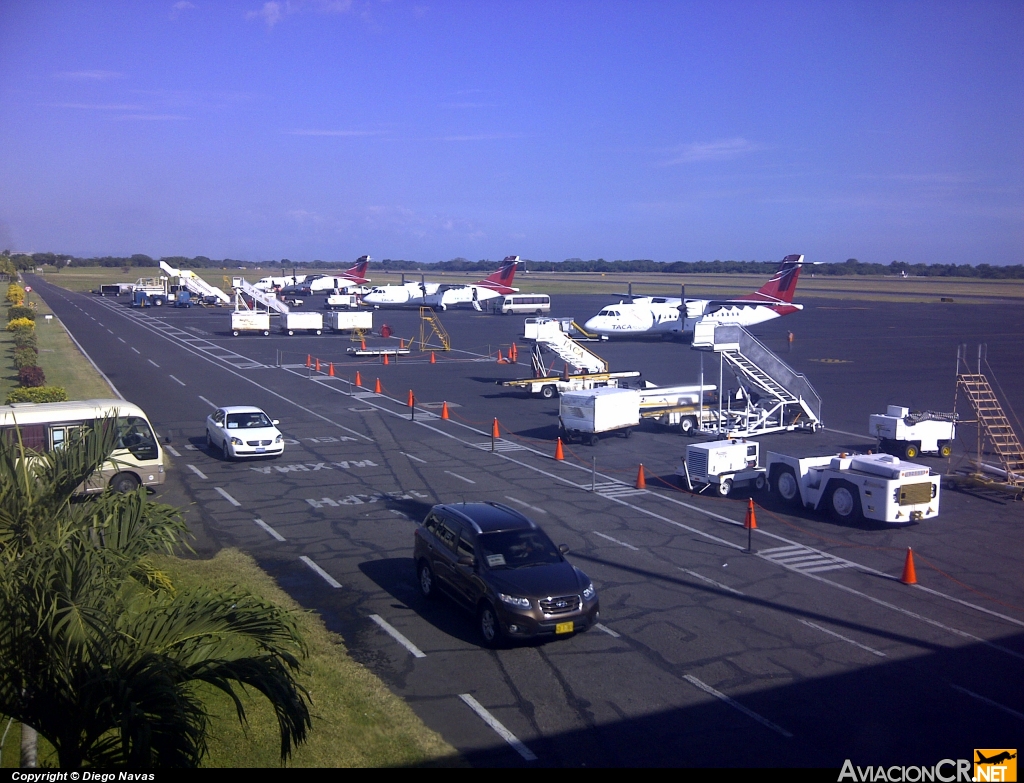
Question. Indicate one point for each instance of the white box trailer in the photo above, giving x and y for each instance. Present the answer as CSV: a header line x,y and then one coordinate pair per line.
x,y
850,487
723,464
299,321
906,434
250,321
350,321
584,415
341,301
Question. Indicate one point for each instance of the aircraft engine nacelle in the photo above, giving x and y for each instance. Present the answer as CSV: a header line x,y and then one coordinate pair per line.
x,y
694,309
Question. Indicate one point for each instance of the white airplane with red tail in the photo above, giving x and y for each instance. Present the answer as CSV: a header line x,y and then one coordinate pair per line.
x,y
443,296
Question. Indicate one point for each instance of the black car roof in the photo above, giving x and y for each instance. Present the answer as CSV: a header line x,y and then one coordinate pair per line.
x,y
490,517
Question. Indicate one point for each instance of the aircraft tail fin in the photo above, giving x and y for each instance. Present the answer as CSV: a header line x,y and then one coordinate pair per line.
x,y
357,272
782,286
501,281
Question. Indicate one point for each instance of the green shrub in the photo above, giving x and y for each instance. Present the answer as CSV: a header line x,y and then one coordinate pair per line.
x,y
32,376
26,338
25,356
20,311
37,394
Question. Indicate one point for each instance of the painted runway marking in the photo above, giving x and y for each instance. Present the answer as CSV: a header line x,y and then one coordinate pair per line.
x,y
501,731
172,451
152,362
269,529
703,578
176,380
122,340
326,576
735,705
110,330
137,351
197,471
616,489
500,445
205,400
395,634
607,630
991,703
803,559
228,497
524,504
468,481
616,541
871,650
413,456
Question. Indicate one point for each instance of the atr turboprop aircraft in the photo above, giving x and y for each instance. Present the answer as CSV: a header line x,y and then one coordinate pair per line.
x,y
354,276
666,315
443,296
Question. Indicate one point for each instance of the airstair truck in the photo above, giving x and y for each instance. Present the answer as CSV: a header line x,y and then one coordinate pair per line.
x,y
905,434
586,415
850,487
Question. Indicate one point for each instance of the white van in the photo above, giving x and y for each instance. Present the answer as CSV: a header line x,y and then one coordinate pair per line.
x,y
46,426
523,303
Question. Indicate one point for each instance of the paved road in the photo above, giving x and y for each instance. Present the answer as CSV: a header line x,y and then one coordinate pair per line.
x,y
805,653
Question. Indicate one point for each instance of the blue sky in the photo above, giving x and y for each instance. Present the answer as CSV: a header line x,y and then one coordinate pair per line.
x,y
667,130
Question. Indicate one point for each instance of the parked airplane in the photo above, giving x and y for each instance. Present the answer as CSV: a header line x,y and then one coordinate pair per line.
x,y
667,315
442,295
353,276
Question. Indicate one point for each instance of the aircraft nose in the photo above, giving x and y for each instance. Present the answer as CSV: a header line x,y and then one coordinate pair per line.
x,y
593,324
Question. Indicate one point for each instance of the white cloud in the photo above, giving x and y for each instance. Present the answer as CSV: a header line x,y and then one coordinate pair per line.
x,y
273,12
90,76
314,132
100,106
180,7
153,117
699,152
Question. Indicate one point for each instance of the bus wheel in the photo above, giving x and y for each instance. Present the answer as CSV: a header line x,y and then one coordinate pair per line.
x,y
125,482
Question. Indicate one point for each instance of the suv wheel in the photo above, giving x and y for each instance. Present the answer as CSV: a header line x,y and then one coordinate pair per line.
x,y
490,626
426,580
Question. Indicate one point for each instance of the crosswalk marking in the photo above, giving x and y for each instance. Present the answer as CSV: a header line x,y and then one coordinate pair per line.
x,y
803,559
616,489
500,445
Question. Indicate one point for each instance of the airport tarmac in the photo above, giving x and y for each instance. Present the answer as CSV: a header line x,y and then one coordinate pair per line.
x,y
804,653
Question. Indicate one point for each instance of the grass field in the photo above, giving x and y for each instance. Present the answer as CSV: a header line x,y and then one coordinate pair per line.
x,y
881,288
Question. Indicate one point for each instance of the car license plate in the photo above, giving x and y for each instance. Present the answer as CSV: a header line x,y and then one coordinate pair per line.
x,y
261,451
564,627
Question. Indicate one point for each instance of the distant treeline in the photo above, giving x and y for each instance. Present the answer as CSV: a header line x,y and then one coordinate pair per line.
x,y
22,261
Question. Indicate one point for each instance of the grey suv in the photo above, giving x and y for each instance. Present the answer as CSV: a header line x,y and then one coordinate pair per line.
x,y
500,565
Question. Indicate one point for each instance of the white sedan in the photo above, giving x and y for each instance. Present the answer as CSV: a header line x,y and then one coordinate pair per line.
x,y
243,431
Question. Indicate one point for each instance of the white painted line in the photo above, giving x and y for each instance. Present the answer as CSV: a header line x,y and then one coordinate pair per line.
x,y
206,400
616,541
152,362
395,634
502,732
173,452
468,481
122,340
175,379
524,504
196,470
607,630
871,650
735,704
137,351
703,578
228,497
110,330
859,435
991,703
269,529
411,456
398,513
326,576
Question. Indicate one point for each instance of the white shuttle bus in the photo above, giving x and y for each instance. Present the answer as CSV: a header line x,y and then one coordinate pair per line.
x,y
523,303
45,426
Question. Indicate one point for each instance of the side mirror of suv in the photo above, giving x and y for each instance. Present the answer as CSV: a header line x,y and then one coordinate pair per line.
x,y
467,560
563,548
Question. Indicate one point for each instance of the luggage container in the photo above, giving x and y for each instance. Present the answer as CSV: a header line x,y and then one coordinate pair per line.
x,y
250,321
349,321
298,321
585,415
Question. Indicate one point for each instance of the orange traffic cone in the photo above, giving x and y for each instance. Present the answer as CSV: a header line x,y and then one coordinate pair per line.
x,y
558,451
565,372
318,365
359,379
495,432
432,359
909,573
309,360
401,343
750,521
386,360
641,482
444,410
412,399
362,343
376,387
500,360
514,353
330,370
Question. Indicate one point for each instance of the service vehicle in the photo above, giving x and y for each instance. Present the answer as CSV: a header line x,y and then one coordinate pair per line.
x,y
243,431
904,433
150,291
250,321
498,564
880,487
586,415
349,320
48,426
551,386
723,464
679,407
523,303
337,301
300,321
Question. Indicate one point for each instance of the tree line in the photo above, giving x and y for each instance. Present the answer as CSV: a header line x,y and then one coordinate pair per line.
x,y
14,262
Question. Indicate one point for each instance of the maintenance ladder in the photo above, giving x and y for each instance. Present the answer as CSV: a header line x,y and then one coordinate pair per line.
x,y
429,318
995,425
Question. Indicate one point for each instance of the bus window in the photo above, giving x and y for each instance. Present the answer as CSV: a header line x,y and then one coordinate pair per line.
x,y
137,437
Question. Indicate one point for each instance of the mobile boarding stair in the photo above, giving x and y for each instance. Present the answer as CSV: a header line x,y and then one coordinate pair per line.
x,y
776,398
548,334
992,420
268,300
196,285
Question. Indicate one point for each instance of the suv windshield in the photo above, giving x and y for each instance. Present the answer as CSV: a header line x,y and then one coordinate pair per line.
x,y
517,549
248,421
